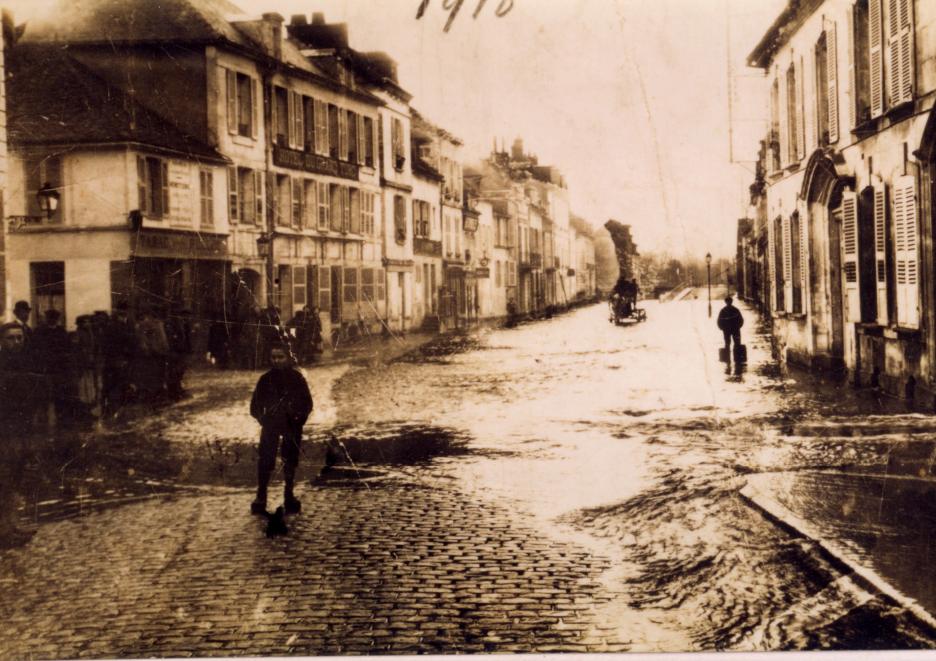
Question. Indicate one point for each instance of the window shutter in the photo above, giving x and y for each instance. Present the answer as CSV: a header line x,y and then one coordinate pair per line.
x,y
255,101
809,105
880,247
849,216
308,123
832,76
905,40
876,53
362,140
299,281
893,42
164,185
258,193
787,253
324,288
232,194
231,90
355,211
803,274
323,206
800,112
142,183
290,118
297,119
345,208
852,77
784,123
905,244
343,134
310,205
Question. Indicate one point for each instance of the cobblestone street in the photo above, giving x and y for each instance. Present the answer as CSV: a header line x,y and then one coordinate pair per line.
x,y
389,568
539,489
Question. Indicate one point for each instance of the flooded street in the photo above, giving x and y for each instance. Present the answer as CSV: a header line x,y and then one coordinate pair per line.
x,y
565,485
637,441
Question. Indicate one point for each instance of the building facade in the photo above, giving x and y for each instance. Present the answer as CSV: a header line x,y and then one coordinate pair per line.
x,y
847,189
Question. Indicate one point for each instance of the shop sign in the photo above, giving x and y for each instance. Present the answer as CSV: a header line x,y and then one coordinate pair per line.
x,y
180,192
179,245
315,163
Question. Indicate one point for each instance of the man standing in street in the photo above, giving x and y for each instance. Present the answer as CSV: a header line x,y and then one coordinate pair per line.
x,y
281,403
730,322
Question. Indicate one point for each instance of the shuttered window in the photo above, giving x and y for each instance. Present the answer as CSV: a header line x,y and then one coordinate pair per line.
x,y
900,33
906,250
242,94
323,206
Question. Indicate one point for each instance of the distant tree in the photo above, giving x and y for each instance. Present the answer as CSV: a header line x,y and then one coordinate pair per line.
x,y
624,247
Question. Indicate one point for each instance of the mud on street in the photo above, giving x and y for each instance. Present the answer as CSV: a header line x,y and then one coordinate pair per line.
x,y
567,485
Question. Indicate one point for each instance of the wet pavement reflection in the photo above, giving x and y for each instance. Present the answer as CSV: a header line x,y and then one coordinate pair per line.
x,y
638,440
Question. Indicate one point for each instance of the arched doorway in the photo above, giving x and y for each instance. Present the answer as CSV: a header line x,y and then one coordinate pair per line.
x,y
821,198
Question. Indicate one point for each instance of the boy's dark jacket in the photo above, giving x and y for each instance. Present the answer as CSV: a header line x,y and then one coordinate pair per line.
x,y
730,319
281,400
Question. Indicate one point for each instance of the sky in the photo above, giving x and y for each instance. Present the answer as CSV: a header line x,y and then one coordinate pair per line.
x,y
629,98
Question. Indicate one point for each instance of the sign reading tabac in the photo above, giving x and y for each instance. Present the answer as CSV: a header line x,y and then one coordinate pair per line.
x,y
300,160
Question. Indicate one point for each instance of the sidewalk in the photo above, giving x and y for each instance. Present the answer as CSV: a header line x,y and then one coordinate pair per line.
x,y
877,522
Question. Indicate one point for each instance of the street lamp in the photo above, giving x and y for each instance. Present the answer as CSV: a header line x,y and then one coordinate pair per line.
x,y
48,199
708,268
265,249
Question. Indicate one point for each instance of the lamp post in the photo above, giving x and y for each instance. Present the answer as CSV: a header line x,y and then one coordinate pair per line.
x,y
48,199
708,268
265,250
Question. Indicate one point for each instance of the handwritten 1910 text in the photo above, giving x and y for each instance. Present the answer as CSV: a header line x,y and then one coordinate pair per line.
x,y
454,6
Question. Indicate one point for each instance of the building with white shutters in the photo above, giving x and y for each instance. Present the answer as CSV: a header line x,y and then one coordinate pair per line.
x,y
848,183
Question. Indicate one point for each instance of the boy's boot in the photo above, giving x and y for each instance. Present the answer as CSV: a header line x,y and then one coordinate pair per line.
x,y
291,504
259,505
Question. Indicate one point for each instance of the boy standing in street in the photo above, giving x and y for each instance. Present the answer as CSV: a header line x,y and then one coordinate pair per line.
x,y
281,403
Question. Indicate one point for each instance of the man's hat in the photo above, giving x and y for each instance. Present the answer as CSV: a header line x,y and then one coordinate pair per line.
x,y
21,305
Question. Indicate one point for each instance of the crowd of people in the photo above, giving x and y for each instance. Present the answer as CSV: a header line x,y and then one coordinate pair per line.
x,y
243,339
52,377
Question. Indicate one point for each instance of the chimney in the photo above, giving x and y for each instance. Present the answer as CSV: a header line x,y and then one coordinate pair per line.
x,y
298,19
318,18
275,23
516,152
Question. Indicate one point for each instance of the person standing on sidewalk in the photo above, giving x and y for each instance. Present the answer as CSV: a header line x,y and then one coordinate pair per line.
x,y
281,403
730,322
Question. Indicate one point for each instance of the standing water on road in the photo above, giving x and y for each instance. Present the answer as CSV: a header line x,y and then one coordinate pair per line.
x,y
637,441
